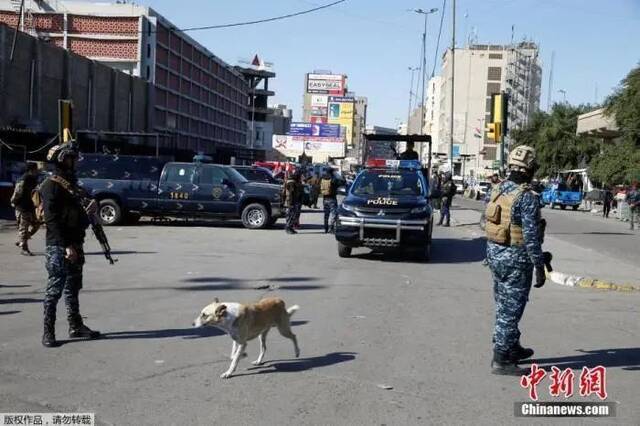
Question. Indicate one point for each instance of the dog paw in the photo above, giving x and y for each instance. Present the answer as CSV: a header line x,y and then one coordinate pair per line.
x,y
257,362
225,375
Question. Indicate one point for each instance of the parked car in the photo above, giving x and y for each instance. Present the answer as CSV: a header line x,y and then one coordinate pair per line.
x,y
257,174
559,194
176,190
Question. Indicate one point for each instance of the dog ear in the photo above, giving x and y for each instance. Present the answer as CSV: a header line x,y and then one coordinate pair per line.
x,y
215,300
220,310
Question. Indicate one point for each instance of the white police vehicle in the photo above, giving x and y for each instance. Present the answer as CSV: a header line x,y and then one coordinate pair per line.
x,y
387,207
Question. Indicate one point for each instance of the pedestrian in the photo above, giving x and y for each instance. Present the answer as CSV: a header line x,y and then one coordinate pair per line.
x,y
606,202
514,252
633,199
293,194
66,221
24,208
448,191
314,186
329,190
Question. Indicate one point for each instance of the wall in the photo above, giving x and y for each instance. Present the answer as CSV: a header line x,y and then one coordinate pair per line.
x,y
104,99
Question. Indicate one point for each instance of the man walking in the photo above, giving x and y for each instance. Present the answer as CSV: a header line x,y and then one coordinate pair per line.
x,y
293,193
448,191
66,222
633,199
25,210
329,190
513,253
607,199
314,186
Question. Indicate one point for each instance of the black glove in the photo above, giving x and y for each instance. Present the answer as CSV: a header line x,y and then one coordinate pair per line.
x,y
547,258
540,277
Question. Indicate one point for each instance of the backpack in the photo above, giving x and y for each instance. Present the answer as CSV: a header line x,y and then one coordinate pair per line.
x,y
498,213
36,197
17,193
326,187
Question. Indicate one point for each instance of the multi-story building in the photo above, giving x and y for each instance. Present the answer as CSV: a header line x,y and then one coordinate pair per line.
x,y
260,128
481,71
359,127
199,101
432,112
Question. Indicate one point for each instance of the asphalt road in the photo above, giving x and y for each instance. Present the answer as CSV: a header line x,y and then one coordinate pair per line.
x,y
366,324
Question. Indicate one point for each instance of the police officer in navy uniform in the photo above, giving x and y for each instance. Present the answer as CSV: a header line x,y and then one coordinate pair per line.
x,y
66,220
515,256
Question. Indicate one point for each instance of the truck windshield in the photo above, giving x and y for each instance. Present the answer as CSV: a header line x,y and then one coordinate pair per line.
x,y
234,175
385,182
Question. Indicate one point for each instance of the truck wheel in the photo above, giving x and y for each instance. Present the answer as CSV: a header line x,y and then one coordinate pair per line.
x,y
575,208
563,206
109,212
255,216
553,206
424,253
343,250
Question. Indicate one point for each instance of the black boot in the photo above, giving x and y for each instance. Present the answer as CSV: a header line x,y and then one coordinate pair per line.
x,y
519,353
49,335
505,365
77,329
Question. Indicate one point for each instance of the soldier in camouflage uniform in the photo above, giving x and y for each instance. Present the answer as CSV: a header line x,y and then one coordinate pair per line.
x,y
293,193
514,258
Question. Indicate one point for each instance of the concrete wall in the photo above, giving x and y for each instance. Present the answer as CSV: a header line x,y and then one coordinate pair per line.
x,y
41,73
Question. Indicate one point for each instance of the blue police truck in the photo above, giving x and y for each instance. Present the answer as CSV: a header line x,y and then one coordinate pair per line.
x,y
128,187
387,207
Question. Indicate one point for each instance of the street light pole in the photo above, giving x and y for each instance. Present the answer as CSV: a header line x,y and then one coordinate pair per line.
x,y
453,75
426,14
413,71
564,95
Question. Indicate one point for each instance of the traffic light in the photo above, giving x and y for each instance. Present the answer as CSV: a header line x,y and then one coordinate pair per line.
x,y
491,131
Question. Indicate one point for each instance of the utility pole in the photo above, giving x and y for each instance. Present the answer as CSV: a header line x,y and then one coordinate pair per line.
x,y
453,75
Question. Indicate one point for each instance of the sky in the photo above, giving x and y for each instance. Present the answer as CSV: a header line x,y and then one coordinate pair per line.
x,y
374,42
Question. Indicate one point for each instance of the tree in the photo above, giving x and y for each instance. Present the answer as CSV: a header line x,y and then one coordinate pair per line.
x,y
620,162
553,135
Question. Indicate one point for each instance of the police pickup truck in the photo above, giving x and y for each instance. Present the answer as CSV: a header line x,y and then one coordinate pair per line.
x,y
128,187
387,206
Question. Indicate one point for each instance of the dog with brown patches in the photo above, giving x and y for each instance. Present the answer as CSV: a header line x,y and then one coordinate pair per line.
x,y
246,322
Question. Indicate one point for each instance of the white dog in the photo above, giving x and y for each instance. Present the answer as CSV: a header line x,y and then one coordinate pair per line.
x,y
246,322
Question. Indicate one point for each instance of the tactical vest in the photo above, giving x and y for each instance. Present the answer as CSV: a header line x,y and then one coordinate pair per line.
x,y
327,188
499,227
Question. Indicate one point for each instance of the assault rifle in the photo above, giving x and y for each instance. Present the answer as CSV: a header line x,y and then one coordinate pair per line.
x,y
98,230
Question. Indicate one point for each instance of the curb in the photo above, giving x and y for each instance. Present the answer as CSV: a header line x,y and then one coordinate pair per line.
x,y
577,281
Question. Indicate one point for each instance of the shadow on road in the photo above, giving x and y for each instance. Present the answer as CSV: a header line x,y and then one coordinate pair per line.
x,y
237,280
627,358
9,312
119,252
208,287
186,333
590,233
300,364
19,301
455,250
14,286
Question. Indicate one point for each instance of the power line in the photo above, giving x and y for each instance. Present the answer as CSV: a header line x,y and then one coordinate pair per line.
x,y
260,21
435,59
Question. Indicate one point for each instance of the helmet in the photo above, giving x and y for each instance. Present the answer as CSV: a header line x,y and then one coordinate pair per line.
x,y
58,153
522,157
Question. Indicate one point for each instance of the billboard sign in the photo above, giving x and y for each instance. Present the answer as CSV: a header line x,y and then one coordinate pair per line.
x,y
292,146
319,119
319,101
341,112
326,84
315,129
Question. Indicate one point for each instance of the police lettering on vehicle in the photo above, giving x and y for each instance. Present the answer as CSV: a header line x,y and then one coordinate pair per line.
x,y
380,201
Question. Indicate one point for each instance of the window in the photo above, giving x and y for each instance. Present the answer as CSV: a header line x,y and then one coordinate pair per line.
x,y
494,74
211,175
490,153
495,55
179,173
493,88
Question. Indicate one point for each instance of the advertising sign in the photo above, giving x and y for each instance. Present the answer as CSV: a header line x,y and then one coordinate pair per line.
x,y
456,151
319,101
341,112
315,129
325,84
319,119
292,146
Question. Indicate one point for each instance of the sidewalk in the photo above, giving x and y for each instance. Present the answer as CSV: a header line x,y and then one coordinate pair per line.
x,y
589,261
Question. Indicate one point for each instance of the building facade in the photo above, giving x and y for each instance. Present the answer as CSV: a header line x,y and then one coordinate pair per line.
x,y
481,71
199,102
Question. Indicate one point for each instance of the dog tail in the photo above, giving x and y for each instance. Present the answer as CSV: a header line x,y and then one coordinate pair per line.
x,y
292,309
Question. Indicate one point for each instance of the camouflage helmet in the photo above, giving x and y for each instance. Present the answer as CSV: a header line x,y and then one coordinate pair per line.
x,y
58,153
522,157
